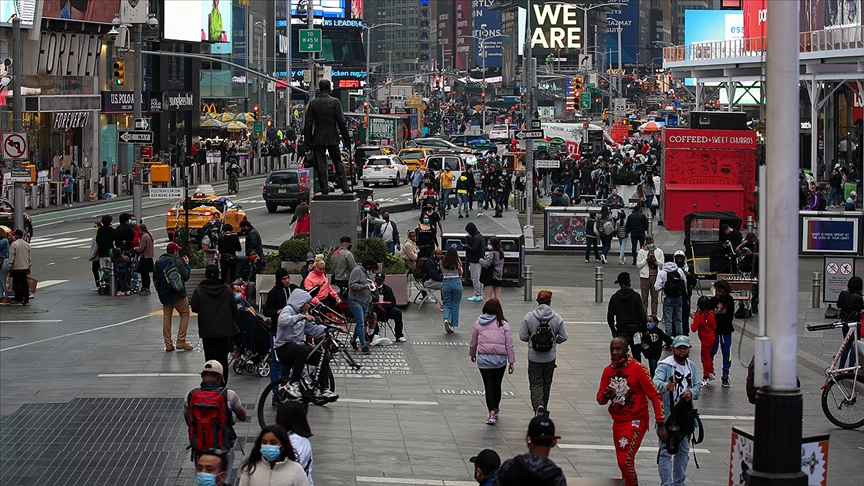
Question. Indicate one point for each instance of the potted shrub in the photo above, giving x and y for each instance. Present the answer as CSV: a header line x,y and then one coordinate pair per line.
x,y
197,266
292,252
625,181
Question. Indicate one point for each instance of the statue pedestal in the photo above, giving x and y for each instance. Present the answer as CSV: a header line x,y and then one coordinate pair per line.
x,y
333,216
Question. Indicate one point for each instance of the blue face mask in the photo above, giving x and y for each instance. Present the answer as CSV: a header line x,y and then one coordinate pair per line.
x,y
133,222
271,452
650,325
651,246
205,479
238,296
368,272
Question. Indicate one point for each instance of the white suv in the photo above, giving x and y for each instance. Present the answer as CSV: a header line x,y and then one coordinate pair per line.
x,y
499,132
379,169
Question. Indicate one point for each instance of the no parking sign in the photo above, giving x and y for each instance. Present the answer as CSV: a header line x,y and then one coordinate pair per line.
x,y
838,271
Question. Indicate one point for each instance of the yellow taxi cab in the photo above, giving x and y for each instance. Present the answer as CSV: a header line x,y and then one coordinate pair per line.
x,y
415,158
203,205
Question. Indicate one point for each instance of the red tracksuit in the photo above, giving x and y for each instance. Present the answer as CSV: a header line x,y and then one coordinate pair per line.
x,y
629,411
705,325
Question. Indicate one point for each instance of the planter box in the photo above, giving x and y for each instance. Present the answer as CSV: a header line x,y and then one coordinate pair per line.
x,y
293,267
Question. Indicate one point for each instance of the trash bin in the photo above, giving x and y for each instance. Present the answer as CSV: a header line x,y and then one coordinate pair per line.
x,y
514,259
457,240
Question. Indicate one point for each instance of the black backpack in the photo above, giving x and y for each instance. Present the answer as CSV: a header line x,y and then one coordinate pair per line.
x,y
543,338
675,285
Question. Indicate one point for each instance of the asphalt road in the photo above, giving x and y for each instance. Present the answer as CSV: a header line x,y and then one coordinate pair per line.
x,y
61,240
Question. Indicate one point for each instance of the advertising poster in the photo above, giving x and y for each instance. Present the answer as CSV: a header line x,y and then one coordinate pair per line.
x,y
463,29
565,230
626,17
829,235
842,13
216,23
333,9
24,9
239,41
814,458
446,42
102,11
487,25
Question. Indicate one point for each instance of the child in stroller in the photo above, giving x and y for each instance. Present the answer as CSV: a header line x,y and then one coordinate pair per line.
x,y
125,272
252,346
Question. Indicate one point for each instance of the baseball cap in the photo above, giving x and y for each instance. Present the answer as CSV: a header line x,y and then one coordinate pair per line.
x,y
853,194
212,366
542,428
544,297
380,276
345,239
623,277
487,460
681,340
437,251
172,247
680,253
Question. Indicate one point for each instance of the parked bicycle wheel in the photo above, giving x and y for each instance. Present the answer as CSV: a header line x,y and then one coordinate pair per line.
x,y
843,401
266,410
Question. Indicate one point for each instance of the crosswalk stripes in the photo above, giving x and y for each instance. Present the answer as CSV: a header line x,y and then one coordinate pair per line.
x,y
71,243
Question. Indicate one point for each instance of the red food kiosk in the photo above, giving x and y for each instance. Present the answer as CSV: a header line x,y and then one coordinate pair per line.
x,y
707,170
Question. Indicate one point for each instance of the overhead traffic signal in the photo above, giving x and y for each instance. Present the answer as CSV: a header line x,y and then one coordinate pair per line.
x,y
577,85
270,123
522,96
119,75
255,110
483,97
366,107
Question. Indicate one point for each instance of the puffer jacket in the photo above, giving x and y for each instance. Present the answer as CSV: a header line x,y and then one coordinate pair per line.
x,y
490,338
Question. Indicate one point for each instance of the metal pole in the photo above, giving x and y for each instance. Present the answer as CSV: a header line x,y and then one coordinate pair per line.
x,y
529,282
598,284
17,122
816,287
748,226
368,80
288,78
136,149
528,84
779,405
310,23
620,69
483,117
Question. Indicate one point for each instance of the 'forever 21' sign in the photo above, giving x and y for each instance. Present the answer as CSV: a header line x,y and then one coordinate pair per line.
x,y
68,54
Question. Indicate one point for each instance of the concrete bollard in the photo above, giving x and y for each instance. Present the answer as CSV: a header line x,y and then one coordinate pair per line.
x,y
598,284
112,280
816,300
529,282
650,224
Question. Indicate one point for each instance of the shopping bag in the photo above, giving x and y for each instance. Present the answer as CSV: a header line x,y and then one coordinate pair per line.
x,y
32,283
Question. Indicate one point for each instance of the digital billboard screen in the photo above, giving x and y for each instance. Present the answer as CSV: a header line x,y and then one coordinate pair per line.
x,y
101,11
214,23
24,9
333,9
487,25
625,17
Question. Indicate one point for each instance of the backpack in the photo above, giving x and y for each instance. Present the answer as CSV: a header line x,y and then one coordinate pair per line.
x,y
675,285
543,339
173,278
209,419
608,227
420,268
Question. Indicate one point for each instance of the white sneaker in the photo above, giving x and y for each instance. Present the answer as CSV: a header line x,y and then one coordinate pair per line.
x,y
329,395
293,389
401,339
603,258
447,326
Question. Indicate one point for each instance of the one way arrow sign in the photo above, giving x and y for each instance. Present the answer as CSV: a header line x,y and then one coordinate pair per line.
x,y
529,135
134,136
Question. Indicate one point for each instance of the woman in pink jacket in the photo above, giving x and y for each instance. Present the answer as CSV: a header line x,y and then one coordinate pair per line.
x,y
492,349
326,293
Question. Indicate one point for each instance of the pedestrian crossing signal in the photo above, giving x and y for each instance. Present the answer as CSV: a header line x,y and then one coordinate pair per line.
x,y
119,75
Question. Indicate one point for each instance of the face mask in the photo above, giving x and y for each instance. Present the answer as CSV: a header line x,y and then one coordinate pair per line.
x,y
489,247
367,209
238,296
319,272
271,452
369,201
650,325
95,229
386,218
133,222
205,479
426,220
348,247
368,272
650,246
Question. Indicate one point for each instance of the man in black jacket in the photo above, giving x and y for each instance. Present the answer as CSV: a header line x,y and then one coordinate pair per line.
x,y
125,233
535,467
253,239
637,227
475,249
625,307
213,300
389,307
324,123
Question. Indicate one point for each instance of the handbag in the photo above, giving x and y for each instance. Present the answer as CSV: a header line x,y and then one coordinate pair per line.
x,y
486,275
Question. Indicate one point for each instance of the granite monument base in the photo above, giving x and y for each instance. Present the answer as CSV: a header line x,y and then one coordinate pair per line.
x,y
333,216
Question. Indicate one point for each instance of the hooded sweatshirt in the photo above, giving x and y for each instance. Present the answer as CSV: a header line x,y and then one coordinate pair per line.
x,y
668,267
625,306
491,344
213,300
292,326
475,244
633,388
542,314
529,469
277,297
357,281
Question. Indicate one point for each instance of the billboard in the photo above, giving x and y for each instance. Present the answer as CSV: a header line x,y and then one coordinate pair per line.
x,y
334,9
627,18
487,25
214,23
239,40
463,29
25,9
713,25
557,28
445,36
102,11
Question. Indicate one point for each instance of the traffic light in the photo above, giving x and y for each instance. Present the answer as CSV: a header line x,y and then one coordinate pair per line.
x,y
436,82
577,85
366,107
270,123
255,110
483,97
119,73
522,96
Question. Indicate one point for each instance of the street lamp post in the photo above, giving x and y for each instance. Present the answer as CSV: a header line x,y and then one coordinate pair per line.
x,y
367,89
482,41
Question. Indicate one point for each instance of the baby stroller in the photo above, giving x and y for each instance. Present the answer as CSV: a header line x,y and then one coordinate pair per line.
x,y
252,345
126,276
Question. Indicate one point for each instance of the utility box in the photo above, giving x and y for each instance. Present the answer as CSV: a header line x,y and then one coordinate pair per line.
x,y
691,198
160,173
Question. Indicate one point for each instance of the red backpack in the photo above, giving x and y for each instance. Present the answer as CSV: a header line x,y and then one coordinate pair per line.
x,y
209,420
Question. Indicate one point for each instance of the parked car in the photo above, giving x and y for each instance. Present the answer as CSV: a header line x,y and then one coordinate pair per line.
x,y
7,218
499,132
284,188
439,145
201,209
457,163
477,143
384,168
415,157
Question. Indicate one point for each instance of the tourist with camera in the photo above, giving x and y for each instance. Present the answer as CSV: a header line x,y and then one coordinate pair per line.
x,y
677,380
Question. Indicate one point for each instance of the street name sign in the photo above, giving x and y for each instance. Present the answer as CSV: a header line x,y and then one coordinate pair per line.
x,y
135,136
535,124
258,129
142,124
310,40
167,192
529,135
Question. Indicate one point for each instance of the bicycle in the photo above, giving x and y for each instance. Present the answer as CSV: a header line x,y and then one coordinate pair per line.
x,y
329,347
842,387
